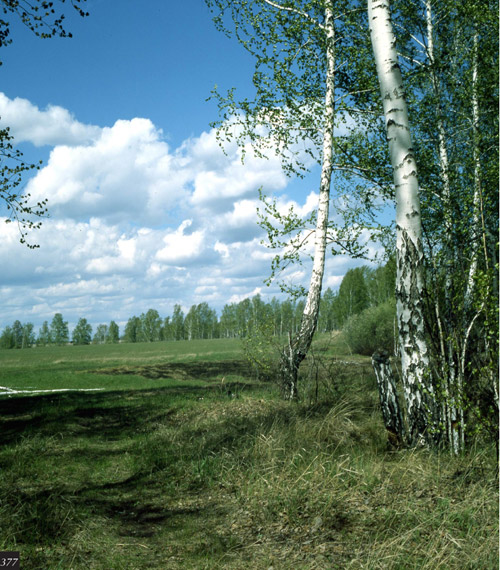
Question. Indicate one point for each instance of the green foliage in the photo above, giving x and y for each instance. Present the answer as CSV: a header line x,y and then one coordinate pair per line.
x,y
82,334
28,335
361,287
100,335
7,339
448,55
286,109
150,326
353,295
252,319
262,349
44,338
113,333
293,47
288,233
449,60
200,322
381,282
59,333
373,329
17,336
20,209
178,323
38,15
273,319
133,330
327,320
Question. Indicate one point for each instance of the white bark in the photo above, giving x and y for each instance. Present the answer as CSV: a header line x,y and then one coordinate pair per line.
x,y
479,228
450,378
305,15
389,402
410,285
443,151
476,227
297,349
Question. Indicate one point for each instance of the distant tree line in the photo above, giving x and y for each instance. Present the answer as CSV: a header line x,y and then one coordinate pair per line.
x,y
57,333
360,289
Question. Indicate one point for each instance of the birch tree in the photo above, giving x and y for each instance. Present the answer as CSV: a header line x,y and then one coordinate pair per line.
x,y
448,334
415,363
448,52
59,332
297,348
82,333
294,114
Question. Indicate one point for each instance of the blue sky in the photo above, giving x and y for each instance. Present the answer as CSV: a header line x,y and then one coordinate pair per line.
x,y
153,59
145,209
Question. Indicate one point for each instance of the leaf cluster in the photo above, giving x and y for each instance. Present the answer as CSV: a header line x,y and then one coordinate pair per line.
x,y
20,208
39,16
290,234
285,116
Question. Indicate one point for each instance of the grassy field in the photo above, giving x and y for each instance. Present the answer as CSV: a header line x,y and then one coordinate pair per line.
x,y
163,469
118,366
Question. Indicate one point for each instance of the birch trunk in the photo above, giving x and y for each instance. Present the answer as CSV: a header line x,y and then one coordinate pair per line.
x,y
478,237
389,402
418,390
449,376
297,348
476,218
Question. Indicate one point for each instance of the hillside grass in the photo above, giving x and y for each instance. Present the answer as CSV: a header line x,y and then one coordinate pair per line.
x,y
166,469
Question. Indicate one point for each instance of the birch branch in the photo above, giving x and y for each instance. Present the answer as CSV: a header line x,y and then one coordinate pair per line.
x,y
294,11
466,338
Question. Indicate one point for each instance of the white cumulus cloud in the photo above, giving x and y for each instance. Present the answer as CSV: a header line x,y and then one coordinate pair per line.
x,y
126,173
52,126
135,224
180,248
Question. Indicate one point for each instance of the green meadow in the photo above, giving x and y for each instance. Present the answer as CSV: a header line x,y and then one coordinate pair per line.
x,y
116,366
180,459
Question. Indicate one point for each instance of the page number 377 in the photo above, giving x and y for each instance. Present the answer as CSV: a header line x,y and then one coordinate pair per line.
x,y
9,560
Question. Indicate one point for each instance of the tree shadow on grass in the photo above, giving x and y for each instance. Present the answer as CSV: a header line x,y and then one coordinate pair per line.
x,y
67,414
108,415
138,517
94,418
166,491
199,370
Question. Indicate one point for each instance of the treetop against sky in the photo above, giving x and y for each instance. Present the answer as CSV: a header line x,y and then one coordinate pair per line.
x,y
145,209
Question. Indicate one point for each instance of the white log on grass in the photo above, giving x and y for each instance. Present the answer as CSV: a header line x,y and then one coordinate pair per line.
x,y
5,391
418,390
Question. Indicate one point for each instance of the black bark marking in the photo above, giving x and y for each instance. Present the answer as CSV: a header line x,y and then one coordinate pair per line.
x,y
389,402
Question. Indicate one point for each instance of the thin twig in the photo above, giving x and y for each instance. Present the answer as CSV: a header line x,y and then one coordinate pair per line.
x,y
294,11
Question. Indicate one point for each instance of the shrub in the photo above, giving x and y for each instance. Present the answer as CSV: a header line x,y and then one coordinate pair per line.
x,y
262,351
372,330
